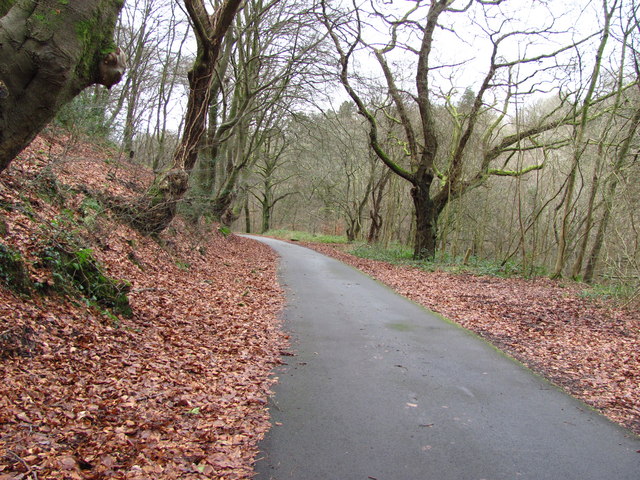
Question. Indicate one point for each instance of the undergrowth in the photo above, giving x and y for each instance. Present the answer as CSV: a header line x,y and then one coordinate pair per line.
x,y
403,255
62,251
76,271
620,293
298,236
13,272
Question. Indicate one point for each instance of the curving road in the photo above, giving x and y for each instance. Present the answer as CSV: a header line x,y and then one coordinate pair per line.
x,y
382,389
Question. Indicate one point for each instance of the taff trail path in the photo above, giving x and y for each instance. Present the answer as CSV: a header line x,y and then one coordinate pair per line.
x,y
380,388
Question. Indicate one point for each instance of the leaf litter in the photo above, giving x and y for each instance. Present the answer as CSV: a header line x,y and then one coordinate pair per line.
x,y
179,389
176,391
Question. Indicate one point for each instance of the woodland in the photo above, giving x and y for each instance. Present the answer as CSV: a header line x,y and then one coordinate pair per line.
x,y
357,120
479,156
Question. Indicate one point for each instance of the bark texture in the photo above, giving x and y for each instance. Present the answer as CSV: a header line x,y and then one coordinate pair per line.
x,y
50,51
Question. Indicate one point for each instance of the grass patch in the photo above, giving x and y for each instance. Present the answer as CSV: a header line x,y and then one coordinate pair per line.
x,y
396,254
403,255
618,293
306,237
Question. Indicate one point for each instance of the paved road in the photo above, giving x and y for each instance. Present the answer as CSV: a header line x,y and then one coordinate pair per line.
x,y
380,388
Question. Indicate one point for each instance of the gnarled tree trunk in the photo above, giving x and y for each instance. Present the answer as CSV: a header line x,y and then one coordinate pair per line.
x,y
426,214
155,210
49,52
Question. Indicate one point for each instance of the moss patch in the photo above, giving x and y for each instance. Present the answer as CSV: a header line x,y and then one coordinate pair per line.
x,y
13,273
5,6
79,271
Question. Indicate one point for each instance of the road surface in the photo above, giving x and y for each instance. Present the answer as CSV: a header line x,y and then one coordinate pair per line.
x,y
382,389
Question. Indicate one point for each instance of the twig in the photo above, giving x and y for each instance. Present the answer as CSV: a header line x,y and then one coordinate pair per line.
x,y
30,471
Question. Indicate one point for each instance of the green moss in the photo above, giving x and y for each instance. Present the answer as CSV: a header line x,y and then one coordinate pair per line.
x,y
96,38
45,21
400,327
13,272
79,272
85,31
5,6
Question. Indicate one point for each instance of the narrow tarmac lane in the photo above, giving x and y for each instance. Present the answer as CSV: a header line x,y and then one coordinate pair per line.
x,y
381,389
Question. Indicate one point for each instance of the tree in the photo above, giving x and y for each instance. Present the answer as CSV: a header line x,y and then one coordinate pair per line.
x,y
259,79
437,176
580,144
155,210
271,160
49,52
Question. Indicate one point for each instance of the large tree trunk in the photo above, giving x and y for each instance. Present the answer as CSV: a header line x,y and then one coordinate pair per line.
x,y
426,214
156,209
49,52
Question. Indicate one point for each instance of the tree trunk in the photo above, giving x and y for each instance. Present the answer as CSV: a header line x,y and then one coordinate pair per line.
x,y
424,245
579,148
266,217
49,52
609,198
154,211
267,203
582,249
376,219
247,214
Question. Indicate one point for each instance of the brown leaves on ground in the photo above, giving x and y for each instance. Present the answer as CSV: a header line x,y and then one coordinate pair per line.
x,y
591,349
178,391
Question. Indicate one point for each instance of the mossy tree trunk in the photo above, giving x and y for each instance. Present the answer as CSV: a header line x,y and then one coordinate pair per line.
x,y
50,50
156,209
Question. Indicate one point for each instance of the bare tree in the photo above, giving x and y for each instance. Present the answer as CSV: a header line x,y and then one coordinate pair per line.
x,y
438,177
156,209
272,160
259,82
579,141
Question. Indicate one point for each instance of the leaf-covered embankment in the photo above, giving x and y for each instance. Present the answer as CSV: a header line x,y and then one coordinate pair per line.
x,y
176,390
589,348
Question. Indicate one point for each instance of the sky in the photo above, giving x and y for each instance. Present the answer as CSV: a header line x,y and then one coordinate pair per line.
x,y
462,48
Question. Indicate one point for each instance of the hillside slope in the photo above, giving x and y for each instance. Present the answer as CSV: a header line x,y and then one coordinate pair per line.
x,y
176,388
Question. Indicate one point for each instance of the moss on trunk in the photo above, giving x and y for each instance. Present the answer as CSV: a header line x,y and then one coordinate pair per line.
x,y
50,50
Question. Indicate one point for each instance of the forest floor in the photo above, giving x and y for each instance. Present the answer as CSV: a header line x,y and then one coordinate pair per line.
x,y
176,390
589,348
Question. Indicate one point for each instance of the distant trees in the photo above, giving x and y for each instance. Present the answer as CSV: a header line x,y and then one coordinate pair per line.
x,y
506,141
271,171
471,129
49,52
438,177
259,81
579,146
